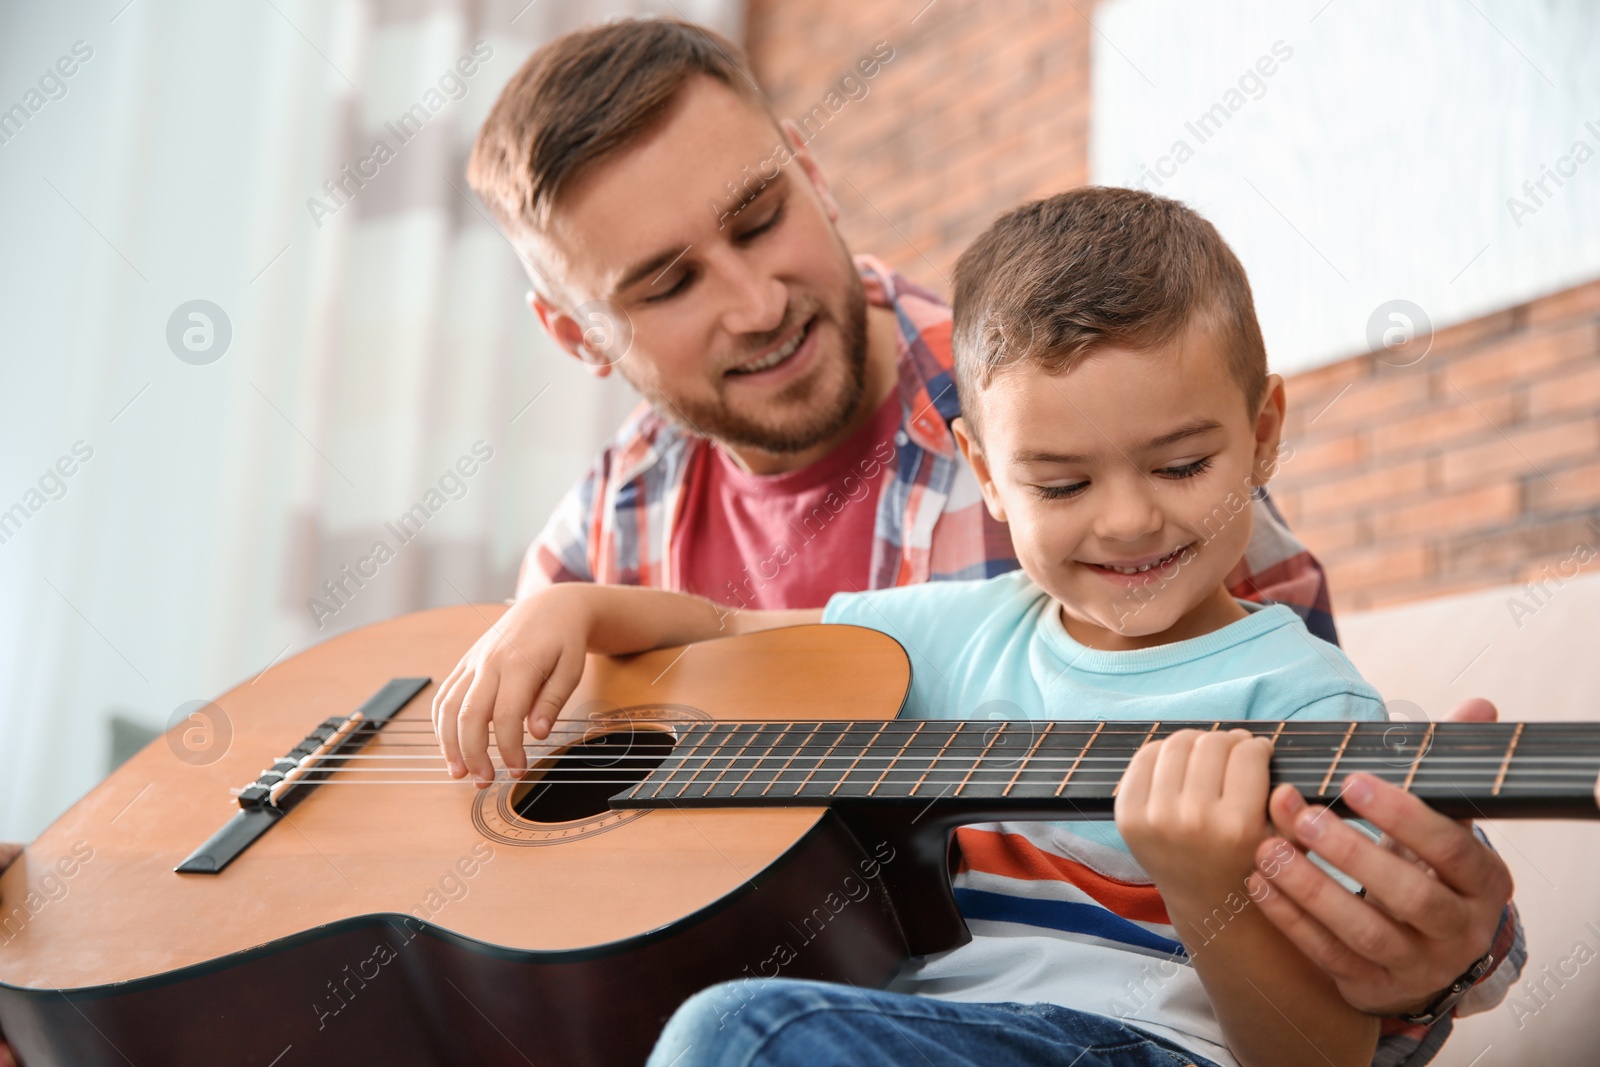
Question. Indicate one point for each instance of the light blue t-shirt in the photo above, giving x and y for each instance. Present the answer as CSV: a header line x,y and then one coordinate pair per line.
x,y
996,649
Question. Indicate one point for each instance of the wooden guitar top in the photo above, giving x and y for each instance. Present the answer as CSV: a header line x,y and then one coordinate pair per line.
x,y
95,899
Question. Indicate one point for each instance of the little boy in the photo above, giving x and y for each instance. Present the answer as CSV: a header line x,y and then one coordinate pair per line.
x,y
1118,414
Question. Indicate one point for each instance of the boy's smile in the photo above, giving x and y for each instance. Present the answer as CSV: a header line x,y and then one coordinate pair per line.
x,y
1126,483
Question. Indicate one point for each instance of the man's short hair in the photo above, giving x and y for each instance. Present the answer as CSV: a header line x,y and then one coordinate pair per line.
x,y
1055,279
582,97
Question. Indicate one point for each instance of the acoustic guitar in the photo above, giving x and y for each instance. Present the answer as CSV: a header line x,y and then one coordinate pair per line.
x,y
290,877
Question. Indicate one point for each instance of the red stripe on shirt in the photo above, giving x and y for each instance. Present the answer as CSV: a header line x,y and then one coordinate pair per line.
x,y
1014,856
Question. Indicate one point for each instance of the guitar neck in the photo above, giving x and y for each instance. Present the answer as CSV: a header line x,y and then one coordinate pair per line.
x,y
967,769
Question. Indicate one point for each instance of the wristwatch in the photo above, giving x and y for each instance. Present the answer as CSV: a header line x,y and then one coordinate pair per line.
x,y
1442,1004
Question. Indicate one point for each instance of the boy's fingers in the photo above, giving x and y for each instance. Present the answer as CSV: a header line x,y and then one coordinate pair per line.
x,y
473,724
446,727
510,708
443,691
1172,763
563,679
1134,788
1208,765
1248,776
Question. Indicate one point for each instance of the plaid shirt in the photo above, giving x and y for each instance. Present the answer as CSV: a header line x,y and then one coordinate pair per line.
x,y
618,525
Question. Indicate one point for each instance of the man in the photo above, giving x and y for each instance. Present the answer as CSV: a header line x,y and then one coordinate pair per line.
x,y
796,443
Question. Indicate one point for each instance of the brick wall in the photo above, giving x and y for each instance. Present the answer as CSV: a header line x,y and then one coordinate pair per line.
x,y
1479,465
973,115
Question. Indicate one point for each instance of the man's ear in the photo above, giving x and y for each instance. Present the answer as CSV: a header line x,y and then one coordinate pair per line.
x,y
973,451
810,167
567,333
1269,433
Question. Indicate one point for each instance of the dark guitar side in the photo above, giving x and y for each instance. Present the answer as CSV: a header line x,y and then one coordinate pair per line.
x,y
460,1001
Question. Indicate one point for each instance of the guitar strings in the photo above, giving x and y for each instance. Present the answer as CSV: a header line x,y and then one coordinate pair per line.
x,y
549,767
1579,786
1399,760
1550,770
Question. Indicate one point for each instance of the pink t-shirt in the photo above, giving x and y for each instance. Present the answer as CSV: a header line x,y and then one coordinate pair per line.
x,y
787,540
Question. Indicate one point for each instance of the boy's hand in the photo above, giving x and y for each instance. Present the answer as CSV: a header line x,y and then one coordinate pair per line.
x,y
524,668
1192,808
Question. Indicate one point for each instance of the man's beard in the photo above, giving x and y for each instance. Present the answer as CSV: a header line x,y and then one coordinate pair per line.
x,y
821,417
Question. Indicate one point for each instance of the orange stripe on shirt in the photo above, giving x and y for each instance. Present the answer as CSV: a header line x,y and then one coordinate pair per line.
x,y
1014,856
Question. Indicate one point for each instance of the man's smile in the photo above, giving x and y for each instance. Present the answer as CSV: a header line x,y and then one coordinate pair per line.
x,y
778,355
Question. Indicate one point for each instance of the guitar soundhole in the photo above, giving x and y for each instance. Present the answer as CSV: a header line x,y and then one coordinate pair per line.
x,y
578,781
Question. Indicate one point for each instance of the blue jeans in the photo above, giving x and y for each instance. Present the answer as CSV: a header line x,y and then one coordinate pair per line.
x,y
783,1022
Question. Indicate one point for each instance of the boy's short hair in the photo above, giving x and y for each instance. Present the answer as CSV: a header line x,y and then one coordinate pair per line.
x,y
582,97
1055,279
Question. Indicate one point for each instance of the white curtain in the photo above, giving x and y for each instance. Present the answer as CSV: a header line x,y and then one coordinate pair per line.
x,y
170,509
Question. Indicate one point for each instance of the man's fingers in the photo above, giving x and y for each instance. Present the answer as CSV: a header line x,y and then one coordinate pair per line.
x,y
1283,806
1364,930
1309,936
9,851
1451,849
1475,709
1406,892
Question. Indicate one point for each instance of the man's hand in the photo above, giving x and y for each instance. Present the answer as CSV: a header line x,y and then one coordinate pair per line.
x,y
9,851
524,668
1434,892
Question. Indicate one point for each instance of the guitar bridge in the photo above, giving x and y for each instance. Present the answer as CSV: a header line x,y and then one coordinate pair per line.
x,y
278,788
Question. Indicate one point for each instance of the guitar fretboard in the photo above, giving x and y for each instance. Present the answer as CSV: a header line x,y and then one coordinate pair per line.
x,y
1463,768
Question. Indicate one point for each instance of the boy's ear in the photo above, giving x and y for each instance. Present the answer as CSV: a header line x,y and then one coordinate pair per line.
x,y
568,333
973,451
1269,432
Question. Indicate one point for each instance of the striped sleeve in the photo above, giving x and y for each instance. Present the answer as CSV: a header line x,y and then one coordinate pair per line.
x,y
561,551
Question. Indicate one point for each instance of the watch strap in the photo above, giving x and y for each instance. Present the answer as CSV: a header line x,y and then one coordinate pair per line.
x,y
1441,1005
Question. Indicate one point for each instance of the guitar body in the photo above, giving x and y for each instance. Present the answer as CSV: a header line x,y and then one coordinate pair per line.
x,y
424,923
290,877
